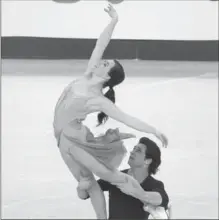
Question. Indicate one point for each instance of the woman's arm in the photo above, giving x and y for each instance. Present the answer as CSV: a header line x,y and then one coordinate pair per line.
x,y
109,108
103,40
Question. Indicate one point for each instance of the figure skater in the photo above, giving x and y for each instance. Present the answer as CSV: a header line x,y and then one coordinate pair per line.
x,y
83,97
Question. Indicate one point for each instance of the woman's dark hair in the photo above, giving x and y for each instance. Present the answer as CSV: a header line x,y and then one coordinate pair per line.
x,y
152,152
117,75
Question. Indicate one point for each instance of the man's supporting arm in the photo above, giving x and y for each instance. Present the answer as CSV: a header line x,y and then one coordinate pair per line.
x,y
156,197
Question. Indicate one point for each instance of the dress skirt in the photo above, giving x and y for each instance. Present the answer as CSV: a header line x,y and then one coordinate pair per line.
x,y
78,135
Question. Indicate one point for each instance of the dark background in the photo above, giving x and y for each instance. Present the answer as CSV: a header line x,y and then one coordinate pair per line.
x,y
62,48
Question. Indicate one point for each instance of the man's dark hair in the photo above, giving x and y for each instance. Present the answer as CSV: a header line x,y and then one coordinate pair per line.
x,y
152,152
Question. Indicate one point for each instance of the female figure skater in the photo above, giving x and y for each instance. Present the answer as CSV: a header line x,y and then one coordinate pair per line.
x,y
82,97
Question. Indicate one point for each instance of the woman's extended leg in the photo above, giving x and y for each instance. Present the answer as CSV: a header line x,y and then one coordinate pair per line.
x,y
115,177
94,190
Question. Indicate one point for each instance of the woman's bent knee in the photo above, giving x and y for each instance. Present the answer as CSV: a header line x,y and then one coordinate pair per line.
x,y
82,194
85,182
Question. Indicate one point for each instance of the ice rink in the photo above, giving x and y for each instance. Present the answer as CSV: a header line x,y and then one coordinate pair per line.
x,y
180,98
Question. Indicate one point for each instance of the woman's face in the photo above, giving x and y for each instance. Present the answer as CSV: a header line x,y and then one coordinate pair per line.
x,y
102,69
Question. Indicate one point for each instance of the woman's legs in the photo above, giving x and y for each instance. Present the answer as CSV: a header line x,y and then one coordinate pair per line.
x,y
93,188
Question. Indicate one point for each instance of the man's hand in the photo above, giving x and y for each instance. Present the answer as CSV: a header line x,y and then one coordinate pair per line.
x,y
156,212
112,12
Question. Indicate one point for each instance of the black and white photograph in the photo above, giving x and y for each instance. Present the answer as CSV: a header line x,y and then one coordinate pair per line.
x,y
109,109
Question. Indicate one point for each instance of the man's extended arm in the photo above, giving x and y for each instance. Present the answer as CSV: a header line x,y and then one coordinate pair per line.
x,y
156,197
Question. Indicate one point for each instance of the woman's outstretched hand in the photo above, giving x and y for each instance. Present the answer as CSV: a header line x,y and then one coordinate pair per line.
x,y
162,138
112,12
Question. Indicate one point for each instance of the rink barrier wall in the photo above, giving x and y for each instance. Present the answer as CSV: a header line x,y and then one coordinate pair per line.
x,y
63,48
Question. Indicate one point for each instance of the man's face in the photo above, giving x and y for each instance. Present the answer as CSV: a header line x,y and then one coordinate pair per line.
x,y
137,156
